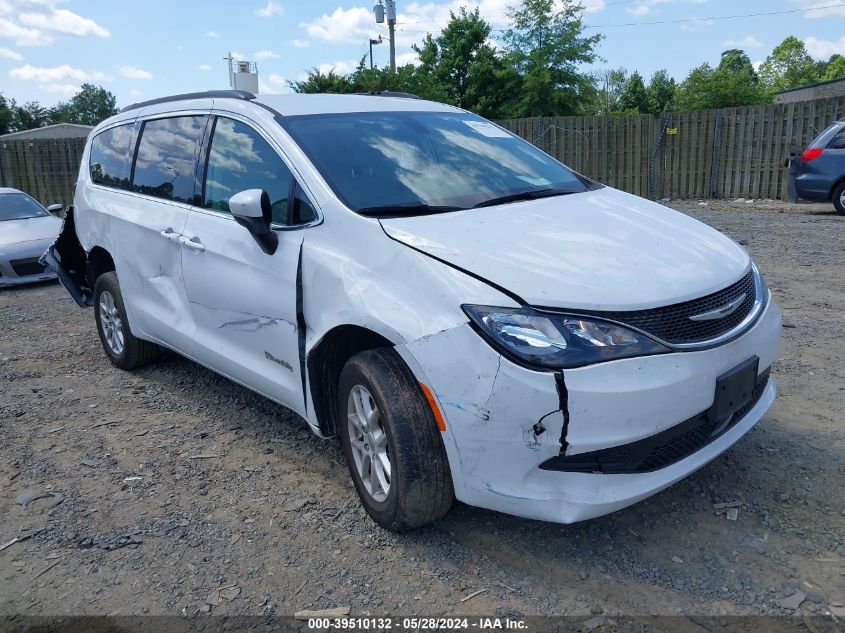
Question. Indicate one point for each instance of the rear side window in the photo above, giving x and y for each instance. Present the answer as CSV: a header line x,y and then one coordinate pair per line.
x,y
241,159
109,158
838,141
165,162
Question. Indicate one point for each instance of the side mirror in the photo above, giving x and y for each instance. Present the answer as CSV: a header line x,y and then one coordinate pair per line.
x,y
56,209
253,211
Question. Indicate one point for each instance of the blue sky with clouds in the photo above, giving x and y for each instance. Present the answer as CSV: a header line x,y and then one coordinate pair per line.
x,y
142,50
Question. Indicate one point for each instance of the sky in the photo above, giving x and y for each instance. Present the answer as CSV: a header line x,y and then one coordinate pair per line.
x,y
143,50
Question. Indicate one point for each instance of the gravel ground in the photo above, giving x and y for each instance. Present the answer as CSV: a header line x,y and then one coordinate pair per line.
x,y
174,482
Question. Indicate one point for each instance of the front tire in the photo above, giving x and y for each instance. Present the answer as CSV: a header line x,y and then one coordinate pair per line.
x,y
392,445
122,348
839,198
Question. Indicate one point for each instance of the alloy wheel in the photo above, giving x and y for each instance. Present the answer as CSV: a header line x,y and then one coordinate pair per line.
x,y
111,323
368,442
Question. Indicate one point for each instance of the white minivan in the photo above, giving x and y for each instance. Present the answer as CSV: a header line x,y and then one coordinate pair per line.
x,y
473,319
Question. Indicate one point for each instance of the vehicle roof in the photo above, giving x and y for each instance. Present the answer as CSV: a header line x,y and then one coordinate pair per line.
x,y
9,190
298,104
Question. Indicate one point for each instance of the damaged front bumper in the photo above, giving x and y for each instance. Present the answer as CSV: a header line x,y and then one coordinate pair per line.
x,y
584,442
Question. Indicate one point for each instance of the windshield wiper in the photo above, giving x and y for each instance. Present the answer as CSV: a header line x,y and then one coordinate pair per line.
x,y
400,210
524,195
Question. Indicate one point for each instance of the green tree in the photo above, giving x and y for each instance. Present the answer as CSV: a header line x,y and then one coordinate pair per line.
x,y
789,66
732,83
465,66
30,116
834,68
91,105
693,92
319,82
7,116
610,83
634,98
735,82
661,89
546,46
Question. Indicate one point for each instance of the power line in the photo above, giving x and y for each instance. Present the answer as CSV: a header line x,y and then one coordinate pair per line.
x,y
658,22
716,18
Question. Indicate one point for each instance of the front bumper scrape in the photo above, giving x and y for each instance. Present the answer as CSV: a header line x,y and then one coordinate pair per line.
x,y
68,260
504,420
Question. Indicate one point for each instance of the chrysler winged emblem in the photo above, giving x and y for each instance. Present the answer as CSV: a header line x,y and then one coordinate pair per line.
x,y
721,312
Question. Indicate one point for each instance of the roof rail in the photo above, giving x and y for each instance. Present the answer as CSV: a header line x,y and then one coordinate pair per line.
x,y
389,93
243,95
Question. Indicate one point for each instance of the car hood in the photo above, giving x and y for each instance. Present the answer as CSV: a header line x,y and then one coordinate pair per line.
x,y
599,250
31,229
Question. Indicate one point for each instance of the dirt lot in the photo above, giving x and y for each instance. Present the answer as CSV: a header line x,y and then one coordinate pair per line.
x,y
175,482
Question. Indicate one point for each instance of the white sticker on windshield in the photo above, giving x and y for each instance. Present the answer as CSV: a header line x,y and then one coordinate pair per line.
x,y
487,129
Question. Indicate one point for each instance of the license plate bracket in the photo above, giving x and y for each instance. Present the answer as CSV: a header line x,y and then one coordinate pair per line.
x,y
734,390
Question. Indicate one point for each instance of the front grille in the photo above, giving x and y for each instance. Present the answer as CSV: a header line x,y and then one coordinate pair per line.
x,y
26,267
658,451
673,325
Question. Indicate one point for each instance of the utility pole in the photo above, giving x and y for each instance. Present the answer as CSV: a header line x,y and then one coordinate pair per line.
x,y
379,11
372,41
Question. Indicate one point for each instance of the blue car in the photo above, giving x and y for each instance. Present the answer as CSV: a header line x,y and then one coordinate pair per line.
x,y
822,174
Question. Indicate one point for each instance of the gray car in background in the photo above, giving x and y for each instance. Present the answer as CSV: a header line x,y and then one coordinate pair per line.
x,y
26,230
822,170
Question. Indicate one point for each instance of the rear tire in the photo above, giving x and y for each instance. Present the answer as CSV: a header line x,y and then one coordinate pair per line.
x,y
839,198
402,433
122,348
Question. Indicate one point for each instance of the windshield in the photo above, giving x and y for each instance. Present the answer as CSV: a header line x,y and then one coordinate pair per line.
x,y
409,161
19,206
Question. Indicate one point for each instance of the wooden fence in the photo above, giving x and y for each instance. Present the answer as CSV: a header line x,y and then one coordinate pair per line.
x,y
729,153
45,168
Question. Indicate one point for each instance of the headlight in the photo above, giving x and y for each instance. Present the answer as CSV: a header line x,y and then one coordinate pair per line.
x,y
559,341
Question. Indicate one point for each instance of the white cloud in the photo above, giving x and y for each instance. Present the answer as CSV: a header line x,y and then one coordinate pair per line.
x,y
204,67
339,68
65,22
211,34
300,43
135,93
356,24
56,74
266,55
823,49
21,35
749,41
63,90
594,6
691,27
644,7
135,73
6,53
38,22
278,80
407,58
271,9
832,8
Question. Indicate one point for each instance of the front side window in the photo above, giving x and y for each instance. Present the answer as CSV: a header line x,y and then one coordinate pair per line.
x,y
109,158
165,164
240,159
441,160
19,206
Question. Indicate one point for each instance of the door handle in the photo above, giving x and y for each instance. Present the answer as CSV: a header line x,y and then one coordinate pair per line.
x,y
170,234
193,243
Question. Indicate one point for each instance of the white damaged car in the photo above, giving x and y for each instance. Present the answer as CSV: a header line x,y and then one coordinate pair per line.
x,y
473,319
